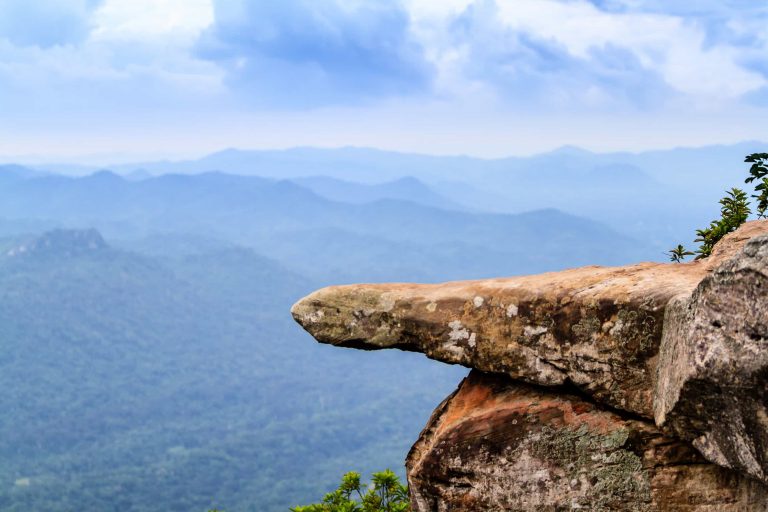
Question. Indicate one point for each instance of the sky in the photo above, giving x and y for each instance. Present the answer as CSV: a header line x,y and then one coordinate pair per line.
x,y
121,80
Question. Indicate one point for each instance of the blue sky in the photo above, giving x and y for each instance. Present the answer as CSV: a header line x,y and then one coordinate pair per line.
x,y
132,79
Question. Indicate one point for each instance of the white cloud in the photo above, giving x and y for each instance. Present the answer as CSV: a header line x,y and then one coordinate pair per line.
x,y
431,9
127,19
668,44
310,53
567,72
672,46
135,57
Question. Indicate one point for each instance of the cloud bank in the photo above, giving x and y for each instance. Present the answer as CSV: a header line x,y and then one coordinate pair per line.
x,y
244,64
310,52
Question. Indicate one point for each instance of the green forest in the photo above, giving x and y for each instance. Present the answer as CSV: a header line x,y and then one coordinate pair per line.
x,y
148,358
179,383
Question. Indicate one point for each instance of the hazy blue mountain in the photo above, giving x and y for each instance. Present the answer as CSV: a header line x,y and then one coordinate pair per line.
x,y
291,223
661,196
402,189
138,175
363,165
58,243
700,169
133,383
13,172
173,245
160,369
706,170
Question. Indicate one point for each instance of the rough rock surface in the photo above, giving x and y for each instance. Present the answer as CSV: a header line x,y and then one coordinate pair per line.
x,y
599,352
713,370
498,445
599,328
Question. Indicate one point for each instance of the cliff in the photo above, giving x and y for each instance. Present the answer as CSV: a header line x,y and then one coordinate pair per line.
x,y
627,388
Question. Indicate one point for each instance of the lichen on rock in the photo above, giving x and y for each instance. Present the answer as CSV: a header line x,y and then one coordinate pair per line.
x,y
499,445
712,383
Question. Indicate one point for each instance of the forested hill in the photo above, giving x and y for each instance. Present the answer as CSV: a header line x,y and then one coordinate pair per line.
x,y
139,383
147,353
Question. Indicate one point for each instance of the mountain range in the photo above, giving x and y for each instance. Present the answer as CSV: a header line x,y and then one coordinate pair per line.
x,y
147,355
659,196
400,239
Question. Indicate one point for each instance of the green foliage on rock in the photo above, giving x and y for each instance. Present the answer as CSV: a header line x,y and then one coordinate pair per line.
x,y
759,172
385,494
734,211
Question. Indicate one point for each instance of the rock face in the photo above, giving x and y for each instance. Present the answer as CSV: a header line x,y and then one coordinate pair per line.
x,y
713,371
599,328
499,445
571,369
61,243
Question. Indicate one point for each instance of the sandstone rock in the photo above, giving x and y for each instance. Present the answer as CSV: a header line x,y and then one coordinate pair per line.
x,y
713,370
498,445
599,328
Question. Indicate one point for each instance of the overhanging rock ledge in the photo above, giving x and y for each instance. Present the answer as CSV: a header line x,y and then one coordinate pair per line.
x,y
684,344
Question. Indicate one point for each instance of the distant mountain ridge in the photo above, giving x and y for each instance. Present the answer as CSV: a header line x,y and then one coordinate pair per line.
x,y
149,362
280,219
660,196
14,171
402,189
370,165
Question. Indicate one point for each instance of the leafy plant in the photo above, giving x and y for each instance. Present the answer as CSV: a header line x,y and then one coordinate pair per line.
x,y
385,494
759,172
734,211
679,253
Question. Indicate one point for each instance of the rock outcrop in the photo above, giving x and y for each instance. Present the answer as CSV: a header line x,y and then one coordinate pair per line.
x,y
599,328
60,243
499,445
713,368
571,369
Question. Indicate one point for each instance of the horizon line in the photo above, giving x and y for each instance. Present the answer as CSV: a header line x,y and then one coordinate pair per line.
x,y
103,161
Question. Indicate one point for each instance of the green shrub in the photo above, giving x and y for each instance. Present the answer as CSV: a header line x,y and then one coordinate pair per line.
x,y
385,494
734,211
759,172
